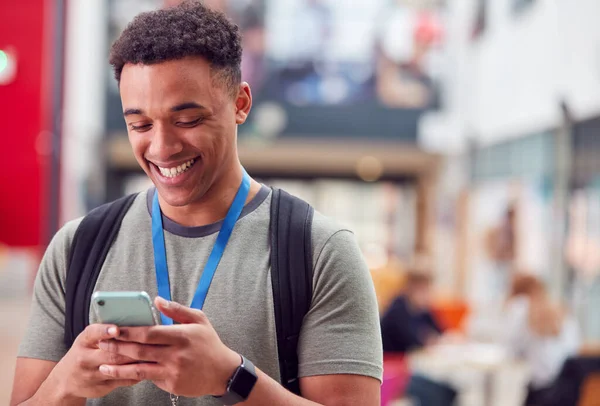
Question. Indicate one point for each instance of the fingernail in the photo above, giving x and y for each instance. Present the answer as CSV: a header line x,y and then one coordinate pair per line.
x,y
103,345
163,302
105,369
112,331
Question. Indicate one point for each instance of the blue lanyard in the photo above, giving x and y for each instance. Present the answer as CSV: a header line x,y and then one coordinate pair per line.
x,y
160,253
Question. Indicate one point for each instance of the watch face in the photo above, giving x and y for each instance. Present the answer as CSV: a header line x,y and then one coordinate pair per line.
x,y
243,382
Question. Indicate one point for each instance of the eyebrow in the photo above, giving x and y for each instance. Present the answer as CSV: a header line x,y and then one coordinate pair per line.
x,y
179,107
188,105
130,112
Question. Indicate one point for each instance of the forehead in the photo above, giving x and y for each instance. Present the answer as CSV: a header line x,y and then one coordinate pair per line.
x,y
169,83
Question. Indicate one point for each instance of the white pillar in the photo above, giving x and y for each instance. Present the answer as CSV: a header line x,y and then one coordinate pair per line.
x,y
86,68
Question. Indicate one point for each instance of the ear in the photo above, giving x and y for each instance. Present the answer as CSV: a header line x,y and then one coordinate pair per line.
x,y
243,103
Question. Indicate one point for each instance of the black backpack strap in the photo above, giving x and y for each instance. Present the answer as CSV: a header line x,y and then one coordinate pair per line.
x,y
91,243
291,276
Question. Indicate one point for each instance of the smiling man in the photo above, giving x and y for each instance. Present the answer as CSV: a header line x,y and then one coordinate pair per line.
x,y
179,77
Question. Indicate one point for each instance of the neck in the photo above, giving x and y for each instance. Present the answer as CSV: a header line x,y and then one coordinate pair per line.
x,y
214,204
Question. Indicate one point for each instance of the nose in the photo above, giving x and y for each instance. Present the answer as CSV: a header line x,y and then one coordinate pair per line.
x,y
164,144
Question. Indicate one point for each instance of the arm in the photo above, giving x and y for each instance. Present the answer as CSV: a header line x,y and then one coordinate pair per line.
x,y
47,372
72,380
42,345
30,375
75,378
327,390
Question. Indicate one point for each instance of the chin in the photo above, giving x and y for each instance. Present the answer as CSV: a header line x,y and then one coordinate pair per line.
x,y
176,198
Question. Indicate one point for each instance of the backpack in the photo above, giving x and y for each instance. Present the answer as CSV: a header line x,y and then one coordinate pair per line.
x,y
291,271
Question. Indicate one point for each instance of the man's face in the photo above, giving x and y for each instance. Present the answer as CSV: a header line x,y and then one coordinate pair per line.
x,y
421,297
182,125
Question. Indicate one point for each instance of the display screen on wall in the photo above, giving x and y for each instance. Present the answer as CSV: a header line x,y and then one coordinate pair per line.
x,y
321,67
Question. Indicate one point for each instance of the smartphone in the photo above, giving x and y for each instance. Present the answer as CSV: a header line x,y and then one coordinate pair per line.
x,y
125,309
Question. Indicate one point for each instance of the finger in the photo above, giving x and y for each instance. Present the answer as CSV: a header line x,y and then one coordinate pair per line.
x,y
113,384
132,350
157,335
97,332
103,357
179,313
138,372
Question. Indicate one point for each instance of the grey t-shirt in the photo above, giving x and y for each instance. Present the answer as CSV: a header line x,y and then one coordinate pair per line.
x,y
340,334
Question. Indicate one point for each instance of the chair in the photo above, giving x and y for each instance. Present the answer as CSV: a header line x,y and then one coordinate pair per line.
x,y
395,378
590,391
450,313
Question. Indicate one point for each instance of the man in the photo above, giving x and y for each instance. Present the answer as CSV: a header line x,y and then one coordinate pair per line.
x,y
179,77
409,325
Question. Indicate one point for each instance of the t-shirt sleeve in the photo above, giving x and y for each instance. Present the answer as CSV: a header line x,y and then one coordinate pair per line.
x,y
341,332
44,334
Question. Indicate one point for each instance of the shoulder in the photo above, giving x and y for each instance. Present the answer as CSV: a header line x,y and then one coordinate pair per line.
x,y
329,234
398,306
326,232
400,302
63,239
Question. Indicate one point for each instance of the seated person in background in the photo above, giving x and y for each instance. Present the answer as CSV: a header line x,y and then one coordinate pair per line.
x,y
409,325
539,332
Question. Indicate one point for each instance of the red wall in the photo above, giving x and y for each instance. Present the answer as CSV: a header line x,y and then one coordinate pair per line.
x,y
24,115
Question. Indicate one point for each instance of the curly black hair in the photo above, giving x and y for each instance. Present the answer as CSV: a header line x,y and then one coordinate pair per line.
x,y
188,29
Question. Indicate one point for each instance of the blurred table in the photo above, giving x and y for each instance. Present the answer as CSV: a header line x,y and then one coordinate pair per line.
x,y
461,364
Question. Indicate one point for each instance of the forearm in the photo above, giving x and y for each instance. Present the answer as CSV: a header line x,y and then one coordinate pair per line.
x,y
269,392
51,393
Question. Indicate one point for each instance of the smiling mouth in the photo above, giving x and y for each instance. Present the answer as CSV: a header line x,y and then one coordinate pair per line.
x,y
176,170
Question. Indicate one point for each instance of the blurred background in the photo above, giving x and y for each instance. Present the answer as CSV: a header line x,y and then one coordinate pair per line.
x,y
463,133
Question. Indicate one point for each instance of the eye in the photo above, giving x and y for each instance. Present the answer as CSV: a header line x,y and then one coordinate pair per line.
x,y
192,123
140,128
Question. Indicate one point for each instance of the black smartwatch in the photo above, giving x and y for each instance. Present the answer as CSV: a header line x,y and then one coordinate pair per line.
x,y
240,384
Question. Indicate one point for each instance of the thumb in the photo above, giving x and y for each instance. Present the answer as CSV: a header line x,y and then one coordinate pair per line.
x,y
177,312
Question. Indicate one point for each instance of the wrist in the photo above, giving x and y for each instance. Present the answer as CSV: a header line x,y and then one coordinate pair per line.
x,y
241,383
56,391
231,361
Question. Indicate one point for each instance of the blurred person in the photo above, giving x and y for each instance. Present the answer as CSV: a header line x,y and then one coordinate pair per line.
x,y
540,332
179,78
299,80
409,325
251,22
312,27
501,240
407,36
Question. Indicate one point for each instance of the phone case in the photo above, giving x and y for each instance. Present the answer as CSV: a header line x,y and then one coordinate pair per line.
x,y
125,309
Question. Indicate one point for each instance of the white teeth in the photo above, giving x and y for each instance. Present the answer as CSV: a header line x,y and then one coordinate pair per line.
x,y
177,170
